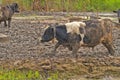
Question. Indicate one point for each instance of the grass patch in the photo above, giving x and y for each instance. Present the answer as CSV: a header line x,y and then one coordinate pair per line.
x,y
6,74
27,74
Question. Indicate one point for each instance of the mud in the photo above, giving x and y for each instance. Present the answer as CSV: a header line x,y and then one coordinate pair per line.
x,y
25,51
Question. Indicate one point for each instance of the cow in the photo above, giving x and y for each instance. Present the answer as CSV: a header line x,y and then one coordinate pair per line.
x,y
118,14
92,32
6,13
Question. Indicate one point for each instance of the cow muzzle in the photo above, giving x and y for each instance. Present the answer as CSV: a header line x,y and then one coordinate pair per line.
x,y
41,40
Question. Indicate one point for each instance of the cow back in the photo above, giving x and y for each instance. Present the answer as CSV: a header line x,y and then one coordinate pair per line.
x,y
8,12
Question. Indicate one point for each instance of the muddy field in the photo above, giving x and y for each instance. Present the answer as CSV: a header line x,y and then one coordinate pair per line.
x,y
25,51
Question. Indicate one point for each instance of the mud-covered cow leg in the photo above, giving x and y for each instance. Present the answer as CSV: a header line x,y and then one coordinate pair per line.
x,y
54,50
109,47
119,19
5,23
56,46
75,49
9,21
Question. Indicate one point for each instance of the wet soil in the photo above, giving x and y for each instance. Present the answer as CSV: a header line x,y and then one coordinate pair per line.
x,y
25,51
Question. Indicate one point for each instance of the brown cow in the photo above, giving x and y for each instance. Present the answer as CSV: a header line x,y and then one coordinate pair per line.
x,y
6,13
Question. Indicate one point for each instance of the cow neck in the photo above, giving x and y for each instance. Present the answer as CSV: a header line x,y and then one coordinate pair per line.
x,y
9,6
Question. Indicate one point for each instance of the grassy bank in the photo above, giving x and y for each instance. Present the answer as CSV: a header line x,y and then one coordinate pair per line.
x,y
66,5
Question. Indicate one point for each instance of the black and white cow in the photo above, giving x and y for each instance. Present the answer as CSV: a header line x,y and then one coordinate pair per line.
x,y
86,34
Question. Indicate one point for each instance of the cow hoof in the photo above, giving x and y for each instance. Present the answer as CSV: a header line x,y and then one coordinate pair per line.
x,y
75,56
51,54
112,53
109,55
70,48
5,25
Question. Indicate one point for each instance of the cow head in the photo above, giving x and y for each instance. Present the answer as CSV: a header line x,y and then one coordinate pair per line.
x,y
118,14
49,34
14,7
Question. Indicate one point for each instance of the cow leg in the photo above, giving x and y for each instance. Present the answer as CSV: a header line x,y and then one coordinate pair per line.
x,y
119,19
109,47
69,47
9,21
5,24
56,46
75,49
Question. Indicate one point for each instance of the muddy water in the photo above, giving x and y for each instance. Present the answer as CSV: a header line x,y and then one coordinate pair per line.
x,y
24,50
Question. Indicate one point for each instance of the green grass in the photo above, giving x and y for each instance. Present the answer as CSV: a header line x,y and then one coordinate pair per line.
x,y
68,5
6,74
26,74
19,75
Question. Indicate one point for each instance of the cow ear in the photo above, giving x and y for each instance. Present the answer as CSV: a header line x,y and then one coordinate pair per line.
x,y
53,25
16,5
46,26
50,25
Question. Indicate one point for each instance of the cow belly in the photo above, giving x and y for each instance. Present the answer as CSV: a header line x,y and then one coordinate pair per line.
x,y
92,41
90,45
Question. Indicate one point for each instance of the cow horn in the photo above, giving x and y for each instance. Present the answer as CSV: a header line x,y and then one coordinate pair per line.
x,y
46,27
